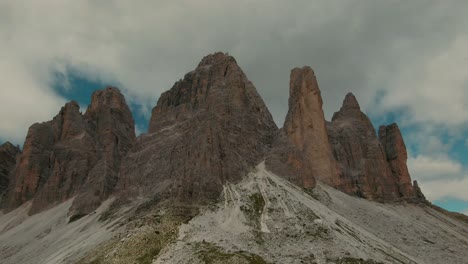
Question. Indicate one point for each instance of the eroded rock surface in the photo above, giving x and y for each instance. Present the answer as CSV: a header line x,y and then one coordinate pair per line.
x,y
362,161
395,151
287,160
74,154
210,128
305,126
8,155
371,167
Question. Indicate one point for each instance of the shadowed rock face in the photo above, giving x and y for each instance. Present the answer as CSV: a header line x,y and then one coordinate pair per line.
x,y
364,168
287,160
372,168
74,154
8,155
111,121
395,150
305,126
210,128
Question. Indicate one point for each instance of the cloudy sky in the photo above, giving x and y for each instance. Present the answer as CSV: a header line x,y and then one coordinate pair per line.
x,y
406,61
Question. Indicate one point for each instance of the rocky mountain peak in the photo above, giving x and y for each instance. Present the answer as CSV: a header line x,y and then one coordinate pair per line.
x,y
71,106
109,97
210,128
373,167
396,154
74,154
350,102
217,58
9,148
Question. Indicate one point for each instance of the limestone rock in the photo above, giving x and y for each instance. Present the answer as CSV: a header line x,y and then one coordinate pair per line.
x,y
74,154
287,160
210,128
113,128
8,156
371,167
395,150
305,125
363,163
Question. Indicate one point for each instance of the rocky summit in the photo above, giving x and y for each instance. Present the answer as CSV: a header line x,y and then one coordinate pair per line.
x,y
305,124
209,129
214,180
370,167
74,155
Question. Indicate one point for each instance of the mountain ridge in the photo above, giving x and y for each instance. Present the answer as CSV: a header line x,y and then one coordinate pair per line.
x,y
210,138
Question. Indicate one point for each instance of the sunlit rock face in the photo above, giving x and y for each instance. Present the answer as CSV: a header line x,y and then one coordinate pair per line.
x,y
305,126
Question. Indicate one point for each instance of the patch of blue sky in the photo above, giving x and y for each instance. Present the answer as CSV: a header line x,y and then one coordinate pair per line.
x,y
452,204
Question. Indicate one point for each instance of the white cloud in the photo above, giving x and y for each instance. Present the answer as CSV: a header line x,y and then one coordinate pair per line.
x,y
358,46
452,188
440,177
434,90
429,168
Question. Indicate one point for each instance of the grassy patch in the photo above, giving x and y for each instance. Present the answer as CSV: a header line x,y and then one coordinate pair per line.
x,y
212,254
253,211
142,243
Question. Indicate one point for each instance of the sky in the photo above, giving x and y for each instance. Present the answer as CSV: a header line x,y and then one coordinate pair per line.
x,y
404,60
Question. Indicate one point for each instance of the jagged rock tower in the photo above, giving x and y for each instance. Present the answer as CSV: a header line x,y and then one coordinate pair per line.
x,y
74,154
370,168
305,125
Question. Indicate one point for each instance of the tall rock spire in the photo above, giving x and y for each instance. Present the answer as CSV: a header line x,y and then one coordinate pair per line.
x,y
305,125
395,150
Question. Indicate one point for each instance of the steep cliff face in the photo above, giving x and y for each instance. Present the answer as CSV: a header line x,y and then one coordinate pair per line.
x,y
56,153
395,151
8,155
305,125
111,122
287,160
364,168
74,153
210,128
371,167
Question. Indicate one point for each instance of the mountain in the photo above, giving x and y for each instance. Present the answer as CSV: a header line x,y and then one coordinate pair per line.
x,y
209,129
371,166
74,155
216,181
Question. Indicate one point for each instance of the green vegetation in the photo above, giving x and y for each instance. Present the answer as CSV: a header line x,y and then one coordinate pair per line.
x,y
142,243
212,254
253,211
